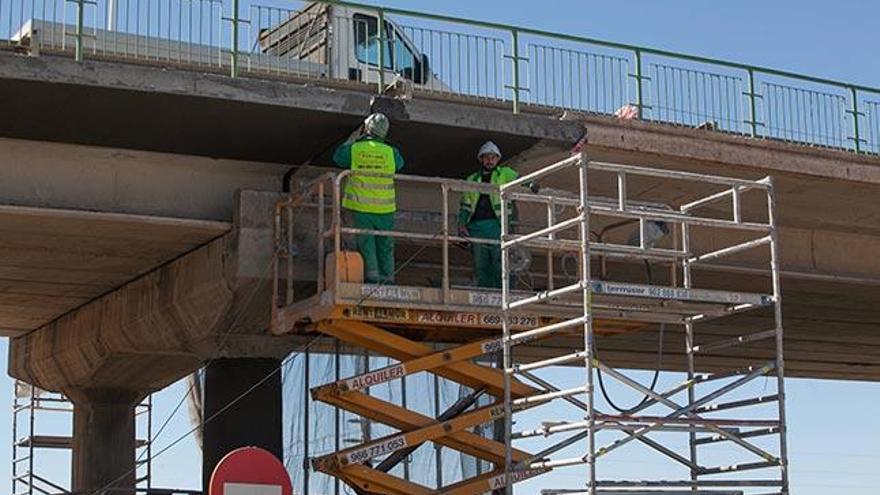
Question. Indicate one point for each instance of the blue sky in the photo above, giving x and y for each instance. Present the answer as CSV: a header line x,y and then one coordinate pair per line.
x,y
834,430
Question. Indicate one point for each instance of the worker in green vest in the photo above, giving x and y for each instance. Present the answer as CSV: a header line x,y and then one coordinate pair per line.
x,y
480,215
370,196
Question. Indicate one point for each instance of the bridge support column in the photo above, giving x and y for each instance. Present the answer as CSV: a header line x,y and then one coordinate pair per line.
x,y
255,420
103,439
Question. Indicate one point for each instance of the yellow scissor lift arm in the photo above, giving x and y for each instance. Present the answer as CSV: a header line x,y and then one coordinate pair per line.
x,y
378,324
455,364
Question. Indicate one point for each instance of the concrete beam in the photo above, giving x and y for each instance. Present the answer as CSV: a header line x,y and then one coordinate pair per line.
x,y
55,260
178,111
668,145
44,174
148,79
135,337
817,198
212,302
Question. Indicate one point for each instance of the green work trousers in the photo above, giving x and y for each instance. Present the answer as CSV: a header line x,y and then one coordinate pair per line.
x,y
487,257
377,251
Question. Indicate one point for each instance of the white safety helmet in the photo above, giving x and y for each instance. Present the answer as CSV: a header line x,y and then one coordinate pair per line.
x,y
377,125
489,148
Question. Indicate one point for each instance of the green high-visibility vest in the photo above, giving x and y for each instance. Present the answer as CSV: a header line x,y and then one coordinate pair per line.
x,y
500,175
371,193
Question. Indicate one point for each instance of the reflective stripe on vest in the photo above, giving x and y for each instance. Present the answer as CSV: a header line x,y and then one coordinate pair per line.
x,y
500,175
371,193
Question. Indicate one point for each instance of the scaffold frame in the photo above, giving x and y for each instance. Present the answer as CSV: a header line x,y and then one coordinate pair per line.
x,y
31,408
688,418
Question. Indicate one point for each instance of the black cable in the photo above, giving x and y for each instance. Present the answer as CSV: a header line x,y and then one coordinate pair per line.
x,y
166,422
652,387
285,180
645,398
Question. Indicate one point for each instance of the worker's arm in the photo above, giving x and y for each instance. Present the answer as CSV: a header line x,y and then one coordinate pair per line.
x,y
514,211
398,159
342,155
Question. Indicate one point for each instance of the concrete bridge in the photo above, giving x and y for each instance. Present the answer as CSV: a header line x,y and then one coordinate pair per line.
x,y
135,206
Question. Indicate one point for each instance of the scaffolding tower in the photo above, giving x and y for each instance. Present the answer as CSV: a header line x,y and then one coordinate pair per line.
x,y
688,306
42,420
455,331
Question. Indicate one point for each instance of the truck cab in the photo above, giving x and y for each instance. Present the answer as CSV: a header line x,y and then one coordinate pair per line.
x,y
343,42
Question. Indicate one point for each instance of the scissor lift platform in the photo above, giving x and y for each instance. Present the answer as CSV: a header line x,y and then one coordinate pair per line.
x,y
618,308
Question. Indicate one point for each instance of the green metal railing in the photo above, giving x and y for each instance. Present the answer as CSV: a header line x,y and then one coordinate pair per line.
x,y
577,80
872,126
469,62
805,115
522,66
697,98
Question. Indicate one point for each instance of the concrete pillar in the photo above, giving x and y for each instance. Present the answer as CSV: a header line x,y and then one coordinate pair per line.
x,y
103,439
254,420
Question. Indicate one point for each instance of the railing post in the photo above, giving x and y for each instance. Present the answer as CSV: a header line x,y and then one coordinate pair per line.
x,y
321,234
753,113
514,50
80,21
640,102
444,188
380,40
233,70
857,139
337,229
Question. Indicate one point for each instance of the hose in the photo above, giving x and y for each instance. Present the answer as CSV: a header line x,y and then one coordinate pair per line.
x,y
646,397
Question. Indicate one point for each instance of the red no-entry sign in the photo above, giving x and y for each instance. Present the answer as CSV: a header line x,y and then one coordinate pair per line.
x,y
250,471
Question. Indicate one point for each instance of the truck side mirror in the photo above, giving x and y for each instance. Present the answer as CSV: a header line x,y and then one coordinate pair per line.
x,y
421,70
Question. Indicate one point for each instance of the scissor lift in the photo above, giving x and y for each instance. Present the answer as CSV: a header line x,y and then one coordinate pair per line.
x,y
465,326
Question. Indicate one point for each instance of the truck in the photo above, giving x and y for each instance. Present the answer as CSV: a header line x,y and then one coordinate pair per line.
x,y
342,42
317,41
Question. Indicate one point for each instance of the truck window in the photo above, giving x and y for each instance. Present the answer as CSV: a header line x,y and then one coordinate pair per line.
x,y
402,57
398,55
365,44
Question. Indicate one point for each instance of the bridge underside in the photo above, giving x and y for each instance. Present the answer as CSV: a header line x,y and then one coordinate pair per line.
x,y
53,261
